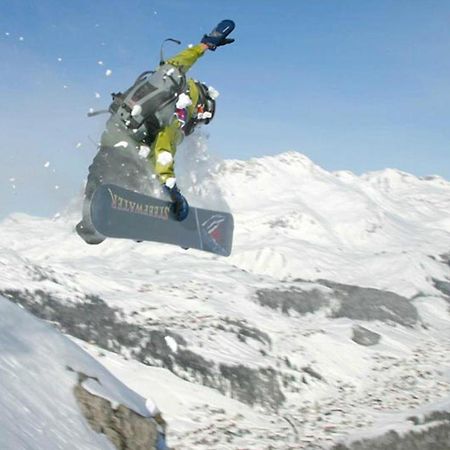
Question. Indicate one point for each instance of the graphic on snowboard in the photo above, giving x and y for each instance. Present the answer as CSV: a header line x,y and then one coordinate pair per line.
x,y
121,213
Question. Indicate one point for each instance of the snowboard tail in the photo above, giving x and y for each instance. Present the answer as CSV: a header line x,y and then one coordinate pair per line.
x,y
120,213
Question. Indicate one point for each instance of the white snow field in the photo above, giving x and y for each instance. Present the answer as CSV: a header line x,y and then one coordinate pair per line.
x,y
38,372
330,320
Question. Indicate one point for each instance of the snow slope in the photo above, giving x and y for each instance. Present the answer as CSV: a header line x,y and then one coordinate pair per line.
x,y
316,255
374,230
38,371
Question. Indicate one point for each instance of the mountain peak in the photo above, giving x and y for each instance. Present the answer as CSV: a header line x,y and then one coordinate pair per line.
x,y
284,165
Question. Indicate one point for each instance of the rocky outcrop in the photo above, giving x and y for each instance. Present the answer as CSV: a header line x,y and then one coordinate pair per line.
x,y
295,299
443,286
126,429
93,320
363,336
431,433
369,304
253,386
446,258
353,302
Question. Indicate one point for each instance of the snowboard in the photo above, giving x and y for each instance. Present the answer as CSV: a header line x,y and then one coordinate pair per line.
x,y
120,213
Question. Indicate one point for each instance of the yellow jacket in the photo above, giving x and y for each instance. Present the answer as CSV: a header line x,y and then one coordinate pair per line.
x,y
164,146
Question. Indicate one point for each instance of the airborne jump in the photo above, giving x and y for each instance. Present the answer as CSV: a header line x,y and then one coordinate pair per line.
x,y
147,123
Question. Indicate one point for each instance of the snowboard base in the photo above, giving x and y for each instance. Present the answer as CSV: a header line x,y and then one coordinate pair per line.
x,y
120,213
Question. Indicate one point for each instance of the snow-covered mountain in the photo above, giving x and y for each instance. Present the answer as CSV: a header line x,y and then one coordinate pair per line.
x,y
331,315
371,230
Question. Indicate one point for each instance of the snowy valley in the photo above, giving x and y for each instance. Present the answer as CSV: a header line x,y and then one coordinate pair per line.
x,y
329,324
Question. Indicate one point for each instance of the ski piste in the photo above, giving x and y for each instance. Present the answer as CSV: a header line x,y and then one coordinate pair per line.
x,y
120,213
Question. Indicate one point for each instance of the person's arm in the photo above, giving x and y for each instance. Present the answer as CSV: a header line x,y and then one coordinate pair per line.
x,y
188,57
218,37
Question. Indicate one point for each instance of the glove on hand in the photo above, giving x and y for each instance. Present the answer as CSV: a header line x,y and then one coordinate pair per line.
x,y
180,206
218,35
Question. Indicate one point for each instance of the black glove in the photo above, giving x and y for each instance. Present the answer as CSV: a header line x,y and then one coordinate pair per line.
x,y
218,35
180,206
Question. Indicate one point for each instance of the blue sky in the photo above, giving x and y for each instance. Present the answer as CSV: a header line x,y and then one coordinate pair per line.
x,y
357,85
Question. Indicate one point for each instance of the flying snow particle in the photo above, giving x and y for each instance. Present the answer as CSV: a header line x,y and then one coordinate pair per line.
x,y
65,86
144,151
190,45
21,38
97,95
100,63
137,109
12,180
155,12
108,73
56,187
57,216
47,164
123,144
91,110
79,144
59,59
213,93
7,33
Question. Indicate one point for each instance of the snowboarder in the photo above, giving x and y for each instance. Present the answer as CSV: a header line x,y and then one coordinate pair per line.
x,y
149,120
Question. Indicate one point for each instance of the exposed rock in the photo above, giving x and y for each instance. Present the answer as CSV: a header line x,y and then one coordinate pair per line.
x,y
92,320
254,386
436,436
446,258
443,286
372,304
363,336
196,364
312,373
156,346
244,331
354,303
435,416
303,302
126,429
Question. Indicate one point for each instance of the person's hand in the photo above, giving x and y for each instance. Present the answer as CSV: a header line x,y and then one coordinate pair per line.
x,y
218,36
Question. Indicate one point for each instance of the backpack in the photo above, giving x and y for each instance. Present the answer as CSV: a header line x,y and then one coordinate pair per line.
x,y
149,104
